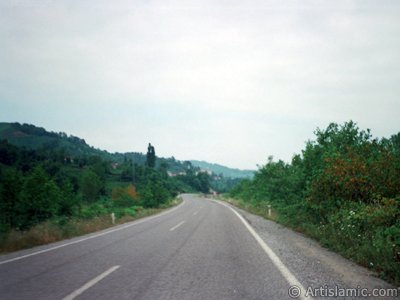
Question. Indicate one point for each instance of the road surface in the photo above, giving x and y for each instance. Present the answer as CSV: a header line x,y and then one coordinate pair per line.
x,y
201,249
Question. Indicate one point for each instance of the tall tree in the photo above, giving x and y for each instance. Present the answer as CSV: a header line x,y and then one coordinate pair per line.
x,y
151,156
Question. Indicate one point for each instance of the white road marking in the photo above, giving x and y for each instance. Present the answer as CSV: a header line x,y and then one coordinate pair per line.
x,y
195,213
90,283
176,226
274,258
92,236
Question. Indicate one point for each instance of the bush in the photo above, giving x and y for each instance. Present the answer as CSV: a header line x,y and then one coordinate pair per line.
x,y
94,210
125,197
343,190
127,211
39,200
91,185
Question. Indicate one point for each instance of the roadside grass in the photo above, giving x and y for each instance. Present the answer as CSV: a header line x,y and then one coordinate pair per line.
x,y
260,209
351,232
94,219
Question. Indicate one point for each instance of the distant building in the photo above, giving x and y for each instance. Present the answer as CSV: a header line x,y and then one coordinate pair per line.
x,y
170,174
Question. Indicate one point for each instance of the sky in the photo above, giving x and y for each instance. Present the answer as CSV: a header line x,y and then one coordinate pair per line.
x,y
229,82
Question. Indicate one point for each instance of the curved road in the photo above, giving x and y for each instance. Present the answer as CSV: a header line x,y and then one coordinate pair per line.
x,y
199,250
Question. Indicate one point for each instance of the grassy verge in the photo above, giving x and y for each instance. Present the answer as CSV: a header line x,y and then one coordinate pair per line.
x,y
349,233
260,209
64,228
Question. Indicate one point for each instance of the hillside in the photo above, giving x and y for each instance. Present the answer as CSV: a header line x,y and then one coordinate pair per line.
x,y
57,181
226,171
32,137
37,138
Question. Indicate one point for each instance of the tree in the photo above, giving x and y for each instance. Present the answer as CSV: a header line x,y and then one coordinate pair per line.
x,y
203,181
69,201
10,186
8,153
39,200
151,156
154,193
91,185
127,173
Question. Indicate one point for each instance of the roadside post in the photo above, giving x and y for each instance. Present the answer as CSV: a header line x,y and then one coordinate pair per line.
x,y
113,218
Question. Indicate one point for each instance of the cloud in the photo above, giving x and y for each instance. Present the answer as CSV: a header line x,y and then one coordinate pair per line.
x,y
223,81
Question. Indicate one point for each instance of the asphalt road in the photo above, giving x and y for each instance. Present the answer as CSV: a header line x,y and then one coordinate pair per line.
x,y
199,250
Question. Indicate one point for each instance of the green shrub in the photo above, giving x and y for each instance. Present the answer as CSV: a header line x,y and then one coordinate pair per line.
x,y
94,210
126,211
344,190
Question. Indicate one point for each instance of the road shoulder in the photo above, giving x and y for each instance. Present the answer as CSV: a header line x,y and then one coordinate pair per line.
x,y
305,258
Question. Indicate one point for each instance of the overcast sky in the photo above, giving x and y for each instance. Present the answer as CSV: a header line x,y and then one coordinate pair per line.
x,y
230,82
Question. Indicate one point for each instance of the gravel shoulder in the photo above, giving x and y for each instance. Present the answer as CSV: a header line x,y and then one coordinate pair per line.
x,y
313,265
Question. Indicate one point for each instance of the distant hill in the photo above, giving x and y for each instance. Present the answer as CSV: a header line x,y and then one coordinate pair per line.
x,y
38,138
226,171
32,137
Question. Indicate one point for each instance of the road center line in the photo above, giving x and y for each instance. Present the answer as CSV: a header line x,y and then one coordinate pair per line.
x,y
90,283
176,226
291,279
92,236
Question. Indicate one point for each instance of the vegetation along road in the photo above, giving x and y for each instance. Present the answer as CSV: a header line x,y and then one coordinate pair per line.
x,y
201,249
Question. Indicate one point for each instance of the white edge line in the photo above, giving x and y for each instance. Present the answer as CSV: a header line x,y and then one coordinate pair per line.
x,y
292,280
92,236
176,226
90,283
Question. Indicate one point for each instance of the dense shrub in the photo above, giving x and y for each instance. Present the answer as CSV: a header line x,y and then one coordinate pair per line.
x,y
344,189
125,196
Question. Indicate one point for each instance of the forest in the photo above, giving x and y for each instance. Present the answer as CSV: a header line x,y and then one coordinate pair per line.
x,y
343,189
59,180
37,185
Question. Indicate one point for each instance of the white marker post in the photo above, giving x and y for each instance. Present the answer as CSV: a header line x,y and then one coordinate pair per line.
x,y
269,211
113,218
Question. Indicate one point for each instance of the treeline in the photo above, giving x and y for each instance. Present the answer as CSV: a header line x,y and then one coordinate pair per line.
x,y
50,184
33,130
343,189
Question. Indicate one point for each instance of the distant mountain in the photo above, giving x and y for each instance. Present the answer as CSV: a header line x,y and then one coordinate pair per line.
x,y
226,171
38,138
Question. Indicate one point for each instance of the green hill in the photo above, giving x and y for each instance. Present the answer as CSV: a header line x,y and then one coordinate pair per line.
x,y
37,138
226,171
